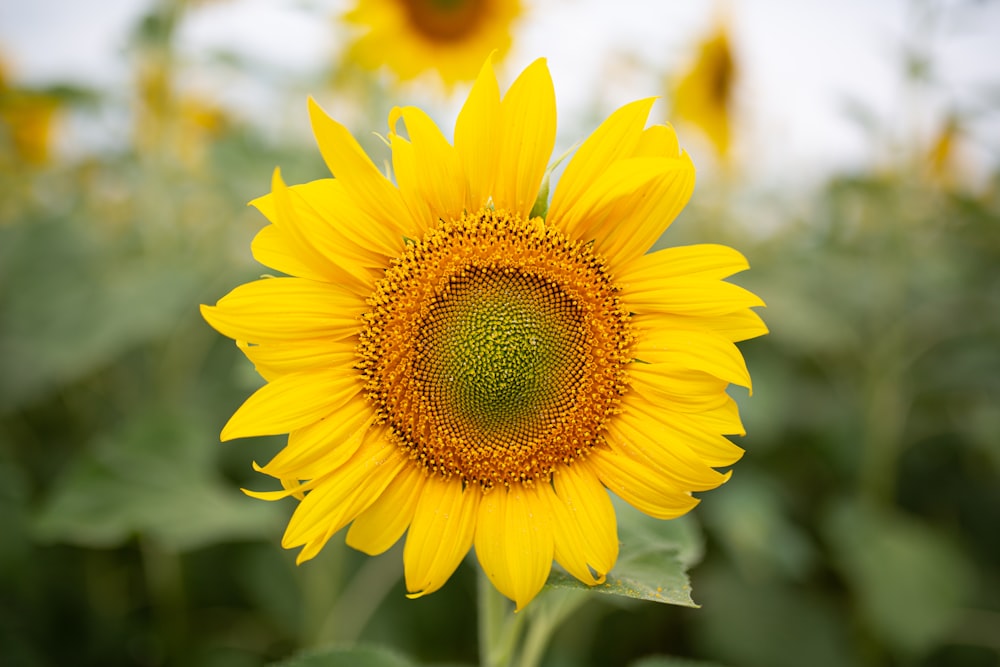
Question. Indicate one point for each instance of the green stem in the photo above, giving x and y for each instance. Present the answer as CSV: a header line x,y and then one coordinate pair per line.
x,y
499,628
553,606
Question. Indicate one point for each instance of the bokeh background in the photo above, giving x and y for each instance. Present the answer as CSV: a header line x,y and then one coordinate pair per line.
x,y
858,173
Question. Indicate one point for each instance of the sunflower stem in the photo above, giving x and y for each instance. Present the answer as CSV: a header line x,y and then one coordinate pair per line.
x,y
499,627
552,607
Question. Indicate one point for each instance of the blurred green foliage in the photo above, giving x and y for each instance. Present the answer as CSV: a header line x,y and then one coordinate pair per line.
x,y
861,528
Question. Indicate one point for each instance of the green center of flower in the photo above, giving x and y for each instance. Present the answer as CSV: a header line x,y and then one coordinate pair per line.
x,y
494,346
495,349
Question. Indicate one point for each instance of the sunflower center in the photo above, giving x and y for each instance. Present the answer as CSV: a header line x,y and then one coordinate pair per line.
x,y
495,349
444,20
499,348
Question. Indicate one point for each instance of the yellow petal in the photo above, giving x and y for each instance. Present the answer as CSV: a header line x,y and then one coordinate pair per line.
x,y
614,139
584,525
665,452
299,232
620,186
273,359
440,534
528,135
690,297
284,309
684,431
658,140
316,449
477,135
343,494
276,248
677,389
708,261
362,180
640,485
407,172
736,326
290,402
515,541
381,525
439,179
698,350
335,224
648,212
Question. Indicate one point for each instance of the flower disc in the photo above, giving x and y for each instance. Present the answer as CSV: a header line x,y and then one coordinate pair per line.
x,y
444,20
495,349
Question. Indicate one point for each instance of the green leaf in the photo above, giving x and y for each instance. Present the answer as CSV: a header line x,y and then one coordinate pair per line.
x,y
154,476
671,661
90,304
358,656
653,560
910,580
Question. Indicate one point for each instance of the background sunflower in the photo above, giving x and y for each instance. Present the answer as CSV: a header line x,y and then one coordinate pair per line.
x,y
412,37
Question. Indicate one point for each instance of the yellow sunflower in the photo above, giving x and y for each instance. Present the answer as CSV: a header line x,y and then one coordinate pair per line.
x,y
413,36
449,367
704,95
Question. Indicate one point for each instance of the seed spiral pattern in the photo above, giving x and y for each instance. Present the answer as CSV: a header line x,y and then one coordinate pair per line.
x,y
495,349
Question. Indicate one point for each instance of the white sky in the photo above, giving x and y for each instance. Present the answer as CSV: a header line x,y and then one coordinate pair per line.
x,y
802,63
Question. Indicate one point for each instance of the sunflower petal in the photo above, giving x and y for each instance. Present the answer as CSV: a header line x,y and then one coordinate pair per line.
x,y
667,454
515,541
285,309
614,139
349,164
584,524
640,486
440,534
648,212
344,494
735,327
335,224
290,402
476,137
697,350
691,297
325,445
439,181
529,134
274,359
680,431
381,525
709,261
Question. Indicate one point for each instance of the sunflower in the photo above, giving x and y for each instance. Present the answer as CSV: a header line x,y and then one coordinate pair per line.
x,y
414,36
450,367
703,96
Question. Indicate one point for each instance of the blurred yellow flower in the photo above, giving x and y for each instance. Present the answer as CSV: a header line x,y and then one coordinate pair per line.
x,y
27,118
942,159
411,37
703,96
450,367
180,126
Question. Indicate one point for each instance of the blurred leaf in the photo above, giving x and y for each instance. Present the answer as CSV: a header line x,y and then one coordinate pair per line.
x,y
769,622
670,661
909,579
752,521
81,309
359,656
154,477
653,560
